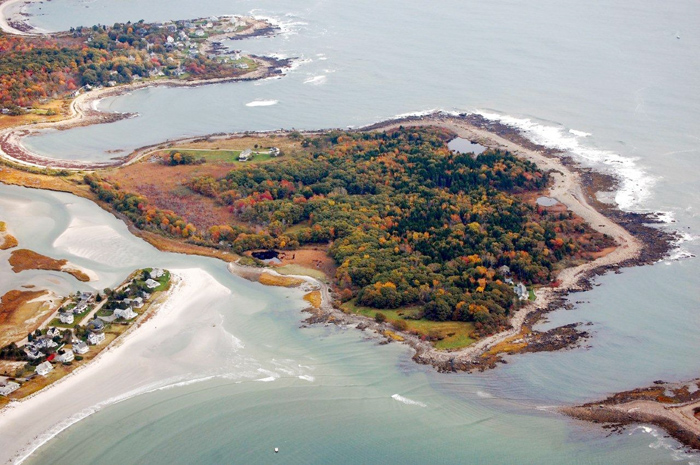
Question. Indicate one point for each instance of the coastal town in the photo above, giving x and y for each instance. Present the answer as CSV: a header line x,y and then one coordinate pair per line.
x,y
83,325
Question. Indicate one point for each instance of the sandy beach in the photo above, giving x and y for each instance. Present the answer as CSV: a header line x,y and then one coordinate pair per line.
x,y
125,369
8,8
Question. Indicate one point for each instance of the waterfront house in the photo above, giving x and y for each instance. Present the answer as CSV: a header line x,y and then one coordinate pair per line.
x,y
156,273
521,291
136,303
8,387
95,338
126,313
66,318
96,325
151,284
80,348
44,369
65,356
245,155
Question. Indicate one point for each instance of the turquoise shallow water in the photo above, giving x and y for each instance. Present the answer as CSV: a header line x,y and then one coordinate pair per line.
x,y
613,70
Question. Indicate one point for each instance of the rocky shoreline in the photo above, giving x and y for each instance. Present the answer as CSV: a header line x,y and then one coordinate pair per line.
x,y
674,407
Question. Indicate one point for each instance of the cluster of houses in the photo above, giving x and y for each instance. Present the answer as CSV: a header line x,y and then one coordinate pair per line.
x,y
51,346
520,289
187,36
247,154
82,303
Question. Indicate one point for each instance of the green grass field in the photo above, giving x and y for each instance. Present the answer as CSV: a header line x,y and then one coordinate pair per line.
x,y
224,156
451,334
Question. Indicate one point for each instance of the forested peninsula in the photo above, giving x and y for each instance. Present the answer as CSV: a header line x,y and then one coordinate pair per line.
x,y
409,223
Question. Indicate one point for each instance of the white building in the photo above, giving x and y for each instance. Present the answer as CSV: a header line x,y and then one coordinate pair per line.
x,y
156,273
274,151
53,332
521,291
44,343
32,353
80,308
7,388
66,318
127,313
66,356
44,368
95,338
80,348
151,284
245,155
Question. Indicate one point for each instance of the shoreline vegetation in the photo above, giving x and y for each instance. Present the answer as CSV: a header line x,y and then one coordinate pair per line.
x,y
7,240
24,259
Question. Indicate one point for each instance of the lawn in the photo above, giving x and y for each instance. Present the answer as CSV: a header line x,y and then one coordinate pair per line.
x,y
223,156
450,335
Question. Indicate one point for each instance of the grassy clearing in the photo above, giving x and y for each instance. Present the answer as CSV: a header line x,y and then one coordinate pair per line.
x,y
446,335
269,279
224,156
303,270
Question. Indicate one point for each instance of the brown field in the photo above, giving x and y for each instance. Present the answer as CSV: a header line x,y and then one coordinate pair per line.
x,y
37,115
24,259
165,187
16,177
22,312
314,258
269,279
284,143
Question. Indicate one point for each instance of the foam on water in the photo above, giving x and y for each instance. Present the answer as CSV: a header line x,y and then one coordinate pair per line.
x,y
262,103
316,80
408,401
663,442
635,183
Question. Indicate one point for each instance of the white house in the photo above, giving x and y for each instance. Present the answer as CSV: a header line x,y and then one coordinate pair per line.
x,y
521,291
127,313
53,332
274,151
80,348
80,308
156,273
66,318
7,388
66,356
95,338
32,353
245,155
151,284
44,343
44,369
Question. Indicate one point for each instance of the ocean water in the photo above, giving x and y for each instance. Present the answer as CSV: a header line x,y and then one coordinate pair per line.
x,y
610,82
